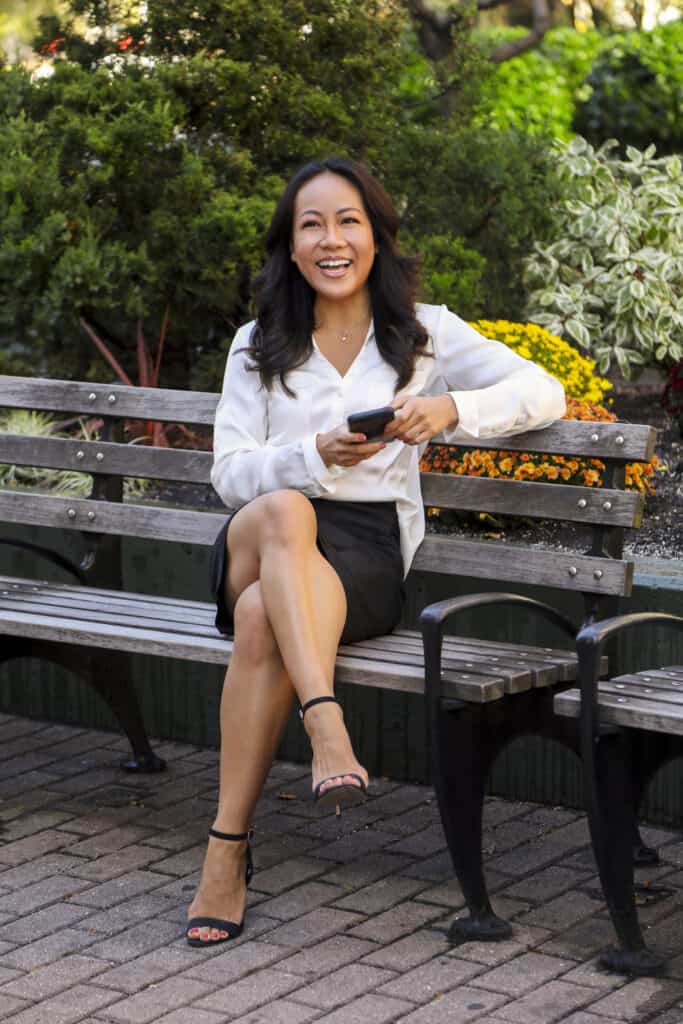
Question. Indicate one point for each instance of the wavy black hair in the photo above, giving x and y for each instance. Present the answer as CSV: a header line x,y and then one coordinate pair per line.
x,y
282,337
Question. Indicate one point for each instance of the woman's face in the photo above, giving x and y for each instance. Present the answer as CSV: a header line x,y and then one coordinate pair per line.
x,y
332,241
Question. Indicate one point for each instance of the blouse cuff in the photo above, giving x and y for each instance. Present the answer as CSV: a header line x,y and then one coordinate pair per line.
x,y
468,415
320,472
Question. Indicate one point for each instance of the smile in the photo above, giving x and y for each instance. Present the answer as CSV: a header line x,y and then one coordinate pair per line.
x,y
334,267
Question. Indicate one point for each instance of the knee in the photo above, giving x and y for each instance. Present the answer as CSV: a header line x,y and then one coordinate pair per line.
x,y
288,517
254,637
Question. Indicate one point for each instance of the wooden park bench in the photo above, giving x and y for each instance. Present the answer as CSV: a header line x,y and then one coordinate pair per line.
x,y
480,694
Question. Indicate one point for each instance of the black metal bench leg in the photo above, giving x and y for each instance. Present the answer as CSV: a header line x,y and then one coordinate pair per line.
x,y
461,765
612,820
109,675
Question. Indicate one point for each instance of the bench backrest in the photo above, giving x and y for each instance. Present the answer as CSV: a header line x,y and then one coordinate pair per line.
x,y
605,511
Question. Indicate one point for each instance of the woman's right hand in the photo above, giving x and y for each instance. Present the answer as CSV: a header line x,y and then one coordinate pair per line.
x,y
339,447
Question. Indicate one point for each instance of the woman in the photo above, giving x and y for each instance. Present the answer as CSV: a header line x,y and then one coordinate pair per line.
x,y
328,521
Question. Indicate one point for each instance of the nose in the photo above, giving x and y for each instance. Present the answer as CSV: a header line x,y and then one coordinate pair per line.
x,y
333,236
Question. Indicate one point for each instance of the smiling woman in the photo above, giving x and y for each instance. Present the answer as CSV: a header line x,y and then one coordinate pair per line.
x,y
334,249
324,523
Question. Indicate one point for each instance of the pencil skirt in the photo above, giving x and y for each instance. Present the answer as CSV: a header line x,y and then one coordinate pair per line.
x,y
361,541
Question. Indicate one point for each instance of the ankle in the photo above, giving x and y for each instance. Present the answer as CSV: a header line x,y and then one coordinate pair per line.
x,y
323,722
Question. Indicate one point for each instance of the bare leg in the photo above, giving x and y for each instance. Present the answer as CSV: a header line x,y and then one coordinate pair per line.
x,y
255,706
274,539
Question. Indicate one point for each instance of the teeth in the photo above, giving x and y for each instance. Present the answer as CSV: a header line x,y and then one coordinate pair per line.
x,y
334,263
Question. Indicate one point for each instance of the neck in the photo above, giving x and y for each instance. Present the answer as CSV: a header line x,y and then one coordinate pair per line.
x,y
339,315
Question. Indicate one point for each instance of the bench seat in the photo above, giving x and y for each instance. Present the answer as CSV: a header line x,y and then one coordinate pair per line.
x,y
475,671
651,700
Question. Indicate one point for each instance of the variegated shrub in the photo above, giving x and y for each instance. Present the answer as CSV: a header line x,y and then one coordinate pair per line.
x,y
612,280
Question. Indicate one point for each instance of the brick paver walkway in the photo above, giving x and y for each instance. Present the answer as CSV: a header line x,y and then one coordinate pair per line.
x,y
347,920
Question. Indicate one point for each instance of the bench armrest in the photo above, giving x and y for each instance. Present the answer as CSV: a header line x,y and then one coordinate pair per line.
x,y
434,616
589,643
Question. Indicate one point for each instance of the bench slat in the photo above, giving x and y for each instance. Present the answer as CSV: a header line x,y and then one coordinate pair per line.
x,y
152,521
658,694
107,457
533,499
542,667
216,650
484,559
199,407
515,678
539,672
517,564
575,437
657,716
163,404
512,497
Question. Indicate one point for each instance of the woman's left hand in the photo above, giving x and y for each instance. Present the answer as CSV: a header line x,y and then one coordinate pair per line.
x,y
421,418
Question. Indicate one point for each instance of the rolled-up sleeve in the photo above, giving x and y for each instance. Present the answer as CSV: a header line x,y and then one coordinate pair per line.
x,y
496,391
245,464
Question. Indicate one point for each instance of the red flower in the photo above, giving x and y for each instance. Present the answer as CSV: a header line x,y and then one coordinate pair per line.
x,y
52,47
124,44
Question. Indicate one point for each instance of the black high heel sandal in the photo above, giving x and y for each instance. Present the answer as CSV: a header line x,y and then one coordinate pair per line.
x,y
230,927
344,794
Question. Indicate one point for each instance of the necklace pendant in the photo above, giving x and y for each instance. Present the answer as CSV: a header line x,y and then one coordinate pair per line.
x,y
344,338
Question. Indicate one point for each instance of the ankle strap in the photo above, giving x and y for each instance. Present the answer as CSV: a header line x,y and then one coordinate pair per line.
x,y
316,700
231,835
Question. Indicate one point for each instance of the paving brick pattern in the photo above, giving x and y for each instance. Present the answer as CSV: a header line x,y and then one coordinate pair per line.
x,y
348,919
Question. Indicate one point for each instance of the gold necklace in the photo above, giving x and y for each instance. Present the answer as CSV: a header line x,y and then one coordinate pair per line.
x,y
344,335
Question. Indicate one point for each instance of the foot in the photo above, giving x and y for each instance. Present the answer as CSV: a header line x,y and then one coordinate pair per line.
x,y
222,891
333,758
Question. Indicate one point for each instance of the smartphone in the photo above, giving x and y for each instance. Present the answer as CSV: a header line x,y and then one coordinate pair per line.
x,y
371,423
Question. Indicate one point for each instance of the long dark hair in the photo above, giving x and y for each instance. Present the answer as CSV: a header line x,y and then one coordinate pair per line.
x,y
282,337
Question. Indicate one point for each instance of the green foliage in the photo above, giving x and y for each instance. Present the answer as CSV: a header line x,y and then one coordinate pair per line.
x,y
612,278
537,91
492,189
136,183
634,92
112,209
451,273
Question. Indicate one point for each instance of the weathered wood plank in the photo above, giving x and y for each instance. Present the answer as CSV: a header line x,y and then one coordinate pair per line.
x,y
107,457
518,564
578,437
166,405
217,650
484,559
533,499
153,521
537,672
162,404
74,589
512,497
516,676
630,712
649,682
658,694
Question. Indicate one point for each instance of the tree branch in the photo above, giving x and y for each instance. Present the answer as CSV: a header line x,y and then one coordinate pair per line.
x,y
434,28
541,24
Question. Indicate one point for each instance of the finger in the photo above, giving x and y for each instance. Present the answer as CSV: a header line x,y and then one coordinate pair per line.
x,y
400,401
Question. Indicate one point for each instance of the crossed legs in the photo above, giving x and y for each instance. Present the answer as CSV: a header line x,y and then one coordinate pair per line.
x,y
289,610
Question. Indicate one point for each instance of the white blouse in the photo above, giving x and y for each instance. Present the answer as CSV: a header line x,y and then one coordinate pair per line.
x,y
265,440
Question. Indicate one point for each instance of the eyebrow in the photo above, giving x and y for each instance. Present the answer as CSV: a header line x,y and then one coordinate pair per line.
x,y
344,209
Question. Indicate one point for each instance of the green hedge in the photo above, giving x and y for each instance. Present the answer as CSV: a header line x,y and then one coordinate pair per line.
x,y
634,92
537,91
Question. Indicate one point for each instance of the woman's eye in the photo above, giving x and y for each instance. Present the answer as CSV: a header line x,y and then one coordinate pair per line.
x,y
350,220
310,224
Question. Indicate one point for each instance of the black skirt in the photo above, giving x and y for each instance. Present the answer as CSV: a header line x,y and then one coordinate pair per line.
x,y
360,540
